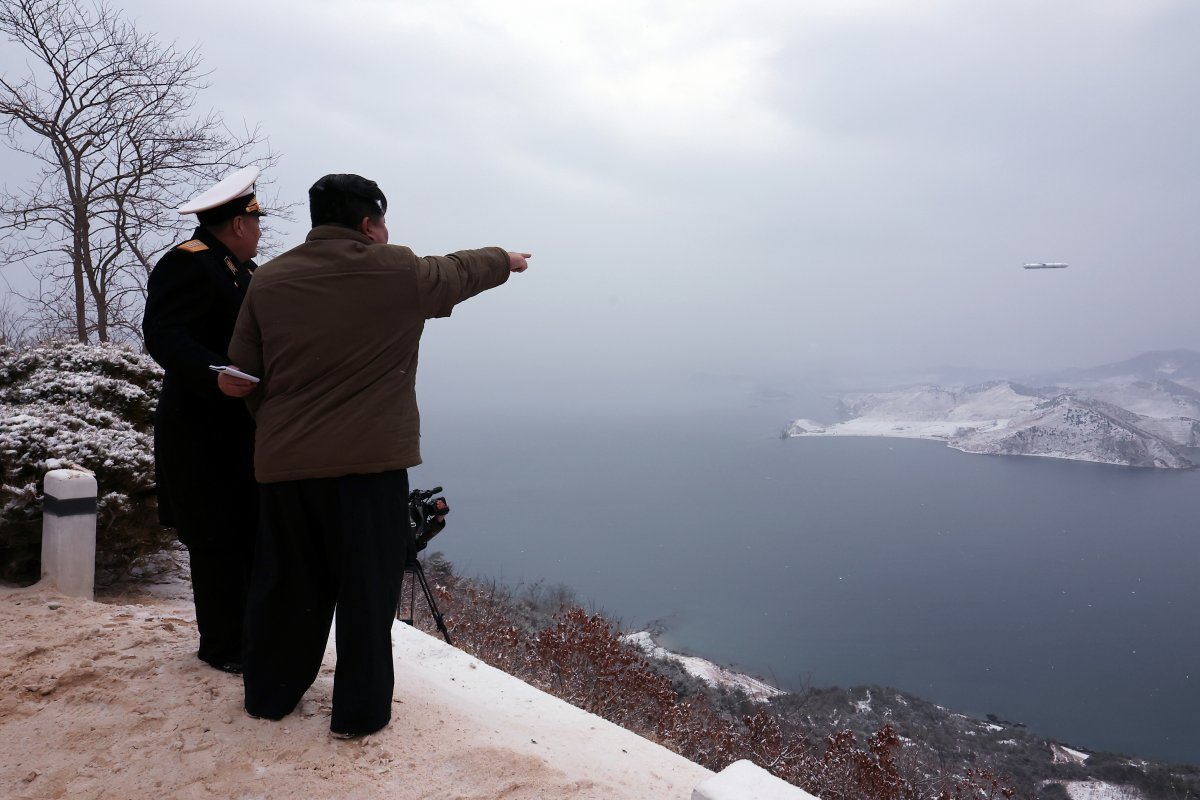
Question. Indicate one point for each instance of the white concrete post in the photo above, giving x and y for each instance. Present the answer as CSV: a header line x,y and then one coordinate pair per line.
x,y
69,532
745,780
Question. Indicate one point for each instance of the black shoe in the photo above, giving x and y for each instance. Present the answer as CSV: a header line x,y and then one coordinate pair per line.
x,y
232,667
355,734
264,714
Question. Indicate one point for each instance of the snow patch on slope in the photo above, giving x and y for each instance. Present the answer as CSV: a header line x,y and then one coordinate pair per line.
x,y
706,671
1005,418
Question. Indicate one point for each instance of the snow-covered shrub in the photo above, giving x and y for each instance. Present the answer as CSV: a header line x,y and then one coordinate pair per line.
x,y
74,405
581,658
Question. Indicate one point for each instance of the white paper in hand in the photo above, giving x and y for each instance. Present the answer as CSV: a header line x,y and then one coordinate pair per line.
x,y
237,373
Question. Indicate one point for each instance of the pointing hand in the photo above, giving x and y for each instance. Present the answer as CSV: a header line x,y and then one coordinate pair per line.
x,y
517,262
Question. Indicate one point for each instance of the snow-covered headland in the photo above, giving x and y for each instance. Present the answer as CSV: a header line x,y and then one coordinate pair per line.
x,y
706,671
1140,418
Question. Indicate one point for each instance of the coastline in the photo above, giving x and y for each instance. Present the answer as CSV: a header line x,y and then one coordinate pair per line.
x,y
934,431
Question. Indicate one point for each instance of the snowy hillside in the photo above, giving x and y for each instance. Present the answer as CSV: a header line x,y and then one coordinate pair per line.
x,y
1131,414
1075,428
703,669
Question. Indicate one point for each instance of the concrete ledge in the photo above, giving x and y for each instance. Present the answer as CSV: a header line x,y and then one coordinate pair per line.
x,y
528,723
745,780
504,714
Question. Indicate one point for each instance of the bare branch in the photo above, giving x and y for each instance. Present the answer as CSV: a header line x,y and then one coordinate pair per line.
x,y
107,114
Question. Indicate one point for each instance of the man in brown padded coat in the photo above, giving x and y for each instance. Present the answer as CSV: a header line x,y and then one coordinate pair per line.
x,y
332,327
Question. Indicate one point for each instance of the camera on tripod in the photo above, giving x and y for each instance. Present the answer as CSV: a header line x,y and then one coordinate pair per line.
x,y
426,515
427,518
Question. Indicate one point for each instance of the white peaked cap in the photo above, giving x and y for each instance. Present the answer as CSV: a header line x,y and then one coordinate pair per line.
x,y
231,187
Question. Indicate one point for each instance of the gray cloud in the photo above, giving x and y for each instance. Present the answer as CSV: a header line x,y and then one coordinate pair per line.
x,y
759,189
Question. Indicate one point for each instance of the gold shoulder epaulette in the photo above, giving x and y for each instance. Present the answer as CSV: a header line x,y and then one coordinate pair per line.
x,y
193,246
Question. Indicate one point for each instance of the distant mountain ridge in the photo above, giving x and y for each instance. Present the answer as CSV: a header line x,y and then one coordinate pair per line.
x,y
1141,413
1178,366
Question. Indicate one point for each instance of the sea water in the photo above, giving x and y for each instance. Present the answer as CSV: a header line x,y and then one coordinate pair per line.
x,y
1056,593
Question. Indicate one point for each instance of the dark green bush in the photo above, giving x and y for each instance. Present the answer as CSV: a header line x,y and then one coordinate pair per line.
x,y
84,406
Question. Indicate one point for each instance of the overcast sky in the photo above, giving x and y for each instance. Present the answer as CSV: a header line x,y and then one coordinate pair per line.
x,y
761,188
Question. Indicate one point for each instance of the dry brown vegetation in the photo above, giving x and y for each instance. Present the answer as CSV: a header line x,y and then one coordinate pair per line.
x,y
580,657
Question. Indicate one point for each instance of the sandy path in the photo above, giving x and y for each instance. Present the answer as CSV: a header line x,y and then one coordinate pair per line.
x,y
100,700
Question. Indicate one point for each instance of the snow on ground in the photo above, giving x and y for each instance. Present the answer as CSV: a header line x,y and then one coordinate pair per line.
x,y
1065,755
926,412
898,428
706,671
108,700
998,419
1148,398
999,400
1099,790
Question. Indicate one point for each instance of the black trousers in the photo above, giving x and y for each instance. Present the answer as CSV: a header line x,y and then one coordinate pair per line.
x,y
327,545
220,580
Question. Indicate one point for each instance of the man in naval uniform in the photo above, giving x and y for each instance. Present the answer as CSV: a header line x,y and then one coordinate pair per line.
x,y
203,439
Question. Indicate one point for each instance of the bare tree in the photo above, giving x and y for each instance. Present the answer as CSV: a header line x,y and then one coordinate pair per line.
x,y
106,112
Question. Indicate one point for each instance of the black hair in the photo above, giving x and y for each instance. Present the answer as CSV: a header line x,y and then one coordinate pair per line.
x,y
218,227
343,199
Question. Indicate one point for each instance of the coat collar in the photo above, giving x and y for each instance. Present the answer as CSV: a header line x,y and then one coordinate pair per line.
x,y
203,234
325,232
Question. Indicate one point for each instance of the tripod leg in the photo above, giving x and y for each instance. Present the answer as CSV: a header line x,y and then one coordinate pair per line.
x,y
419,575
412,597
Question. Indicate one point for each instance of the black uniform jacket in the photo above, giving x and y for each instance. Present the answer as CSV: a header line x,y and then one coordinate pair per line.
x,y
203,440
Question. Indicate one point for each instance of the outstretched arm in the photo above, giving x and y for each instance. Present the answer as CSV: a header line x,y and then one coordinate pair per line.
x,y
445,281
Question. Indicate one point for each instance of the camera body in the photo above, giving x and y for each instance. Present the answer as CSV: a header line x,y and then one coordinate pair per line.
x,y
426,515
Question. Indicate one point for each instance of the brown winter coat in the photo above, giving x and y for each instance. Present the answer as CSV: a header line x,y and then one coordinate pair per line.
x,y
333,327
